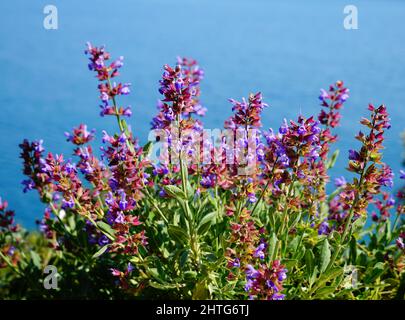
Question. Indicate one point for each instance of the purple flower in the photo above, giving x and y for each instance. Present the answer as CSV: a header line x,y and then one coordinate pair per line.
x,y
248,285
252,198
300,174
70,167
28,185
236,263
402,174
271,285
282,275
68,204
323,228
278,296
117,63
11,251
354,155
301,130
314,154
208,181
386,177
123,204
103,240
259,252
127,112
125,89
315,129
251,272
340,182
106,137
162,193
120,218
88,169
104,97
130,267
390,201
324,95
38,147
109,200
284,128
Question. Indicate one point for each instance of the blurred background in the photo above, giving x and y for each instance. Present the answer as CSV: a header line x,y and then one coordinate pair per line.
x,y
288,50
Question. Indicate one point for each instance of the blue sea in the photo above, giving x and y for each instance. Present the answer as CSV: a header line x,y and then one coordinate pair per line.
x,y
288,50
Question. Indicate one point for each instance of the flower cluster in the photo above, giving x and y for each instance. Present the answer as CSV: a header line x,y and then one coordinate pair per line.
x,y
355,197
80,135
293,155
229,217
8,231
384,206
180,89
243,240
33,161
332,101
98,57
247,114
265,282
174,124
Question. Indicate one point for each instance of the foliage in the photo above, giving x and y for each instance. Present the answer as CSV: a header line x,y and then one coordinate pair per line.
x,y
245,215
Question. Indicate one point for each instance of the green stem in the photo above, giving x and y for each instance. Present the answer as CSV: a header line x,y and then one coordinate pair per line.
x,y
7,260
152,200
189,217
351,212
265,188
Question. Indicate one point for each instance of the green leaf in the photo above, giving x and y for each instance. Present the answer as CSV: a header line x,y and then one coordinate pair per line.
x,y
331,163
71,222
290,263
353,250
325,256
376,272
293,245
184,257
201,291
162,286
309,262
324,292
203,229
272,246
313,276
106,228
175,192
190,275
329,275
206,222
36,259
209,217
147,148
100,251
295,221
177,234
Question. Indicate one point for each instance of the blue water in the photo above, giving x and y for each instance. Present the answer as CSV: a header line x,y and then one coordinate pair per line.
x,y
285,49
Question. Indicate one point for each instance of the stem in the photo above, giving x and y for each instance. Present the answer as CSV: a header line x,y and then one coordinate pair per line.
x,y
351,212
152,200
189,217
94,223
130,146
7,260
265,188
